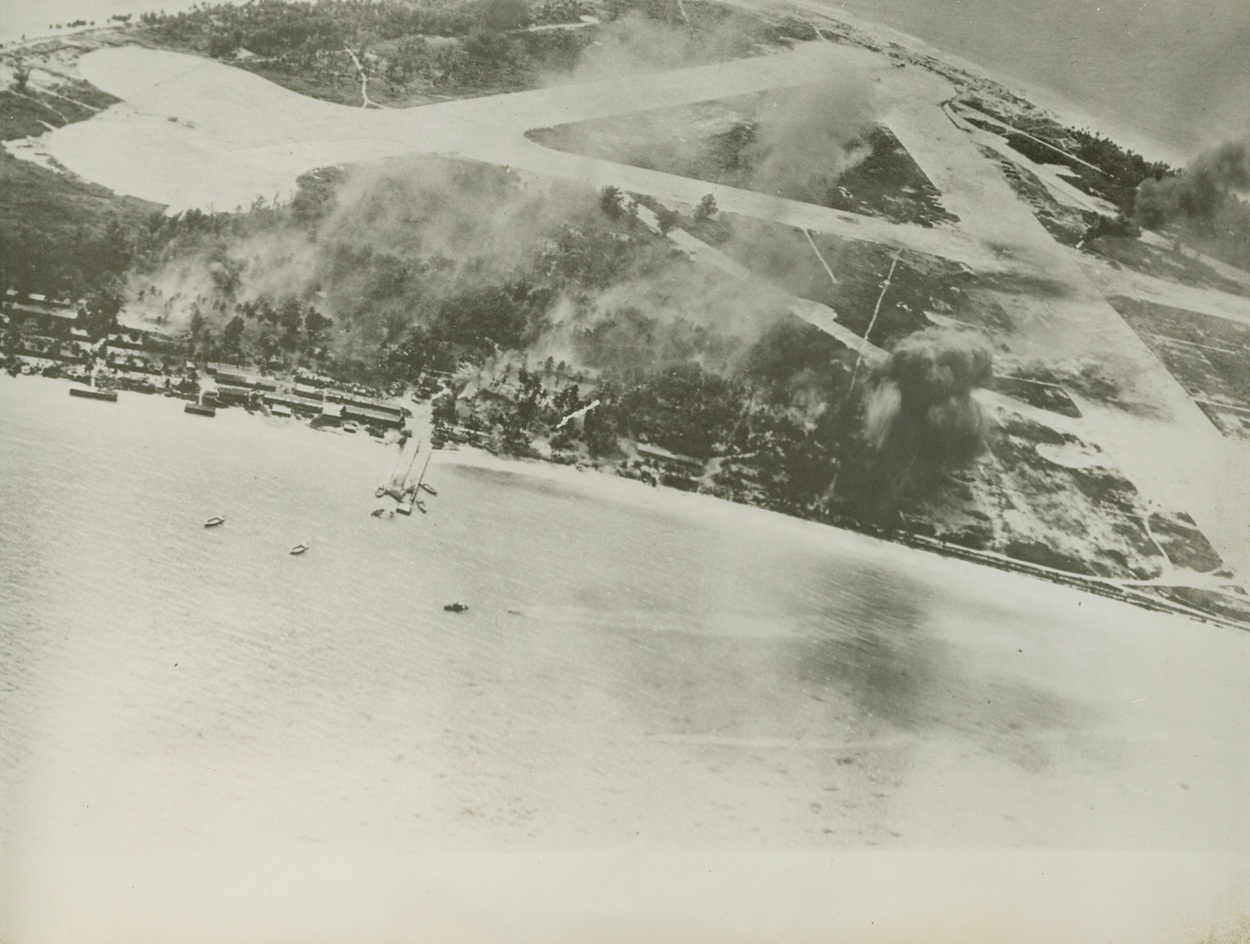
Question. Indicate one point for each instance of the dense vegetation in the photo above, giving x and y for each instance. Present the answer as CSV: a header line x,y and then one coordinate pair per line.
x,y
520,305
1097,164
325,283
409,51
58,235
1124,169
299,30
61,236
422,51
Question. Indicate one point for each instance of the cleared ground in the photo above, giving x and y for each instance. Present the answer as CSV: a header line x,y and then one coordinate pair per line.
x,y
190,132
1207,356
1095,725
720,142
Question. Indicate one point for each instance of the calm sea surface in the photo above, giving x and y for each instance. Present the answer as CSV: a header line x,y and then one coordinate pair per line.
x,y
636,666
1143,70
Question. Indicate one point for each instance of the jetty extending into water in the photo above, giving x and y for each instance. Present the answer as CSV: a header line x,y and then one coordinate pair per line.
x,y
396,484
412,485
406,486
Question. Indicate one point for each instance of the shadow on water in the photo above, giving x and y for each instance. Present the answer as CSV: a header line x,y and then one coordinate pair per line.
x,y
715,642
879,650
875,652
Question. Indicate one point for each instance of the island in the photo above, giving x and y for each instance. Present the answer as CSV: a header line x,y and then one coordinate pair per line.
x,y
767,256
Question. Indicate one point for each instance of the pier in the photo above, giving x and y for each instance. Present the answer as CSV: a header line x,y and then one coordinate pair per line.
x,y
405,487
411,485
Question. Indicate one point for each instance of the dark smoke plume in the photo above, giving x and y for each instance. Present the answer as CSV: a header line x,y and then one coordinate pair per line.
x,y
1201,191
920,414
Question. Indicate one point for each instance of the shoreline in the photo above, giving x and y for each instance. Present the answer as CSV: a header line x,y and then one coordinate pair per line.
x,y
1122,591
606,482
306,703
1083,564
1058,105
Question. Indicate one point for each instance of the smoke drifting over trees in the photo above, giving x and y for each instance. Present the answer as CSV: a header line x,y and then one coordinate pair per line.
x,y
1206,200
808,140
1200,191
435,261
633,42
919,413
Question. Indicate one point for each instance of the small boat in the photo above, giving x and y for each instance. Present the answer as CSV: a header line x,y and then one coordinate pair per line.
x,y
456,607
420,505
214,521
300,548
379,491
429,488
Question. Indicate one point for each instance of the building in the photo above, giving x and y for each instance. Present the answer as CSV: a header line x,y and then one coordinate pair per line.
x,y
373,417
229,393
351,400
245,380
293,403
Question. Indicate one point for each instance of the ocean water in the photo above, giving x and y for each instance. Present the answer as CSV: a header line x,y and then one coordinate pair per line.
x,y
638,670
1164,78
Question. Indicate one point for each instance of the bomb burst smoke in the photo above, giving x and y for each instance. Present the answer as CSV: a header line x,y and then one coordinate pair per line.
x,y
1201,190
920,414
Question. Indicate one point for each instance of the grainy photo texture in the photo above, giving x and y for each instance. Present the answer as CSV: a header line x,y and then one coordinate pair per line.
x,y
578,471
